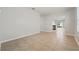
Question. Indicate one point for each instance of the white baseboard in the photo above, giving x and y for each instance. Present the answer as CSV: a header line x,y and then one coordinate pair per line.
x,y
69,34
77,40
18,37
47,30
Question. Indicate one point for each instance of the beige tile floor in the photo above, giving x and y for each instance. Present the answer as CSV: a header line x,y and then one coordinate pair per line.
x,y
44,41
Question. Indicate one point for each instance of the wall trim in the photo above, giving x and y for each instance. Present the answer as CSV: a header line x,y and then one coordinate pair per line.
x,y
19,37
45,31
69,34
77,39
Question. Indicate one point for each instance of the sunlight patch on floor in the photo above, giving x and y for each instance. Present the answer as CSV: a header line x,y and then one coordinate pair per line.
x,y
60,34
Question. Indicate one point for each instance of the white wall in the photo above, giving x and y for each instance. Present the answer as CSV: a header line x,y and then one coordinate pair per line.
x,y
43,24
16,22
78,19
77,25
69,21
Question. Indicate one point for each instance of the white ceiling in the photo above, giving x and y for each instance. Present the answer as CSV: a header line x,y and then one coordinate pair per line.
x,y
50,10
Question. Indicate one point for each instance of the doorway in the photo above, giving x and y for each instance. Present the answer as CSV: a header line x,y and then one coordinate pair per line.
x,y
59,23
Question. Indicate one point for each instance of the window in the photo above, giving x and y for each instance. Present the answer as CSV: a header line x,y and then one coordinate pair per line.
x,y
77,25
77,19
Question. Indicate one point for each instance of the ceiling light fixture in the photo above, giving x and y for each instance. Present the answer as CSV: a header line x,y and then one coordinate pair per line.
x,y
33,8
